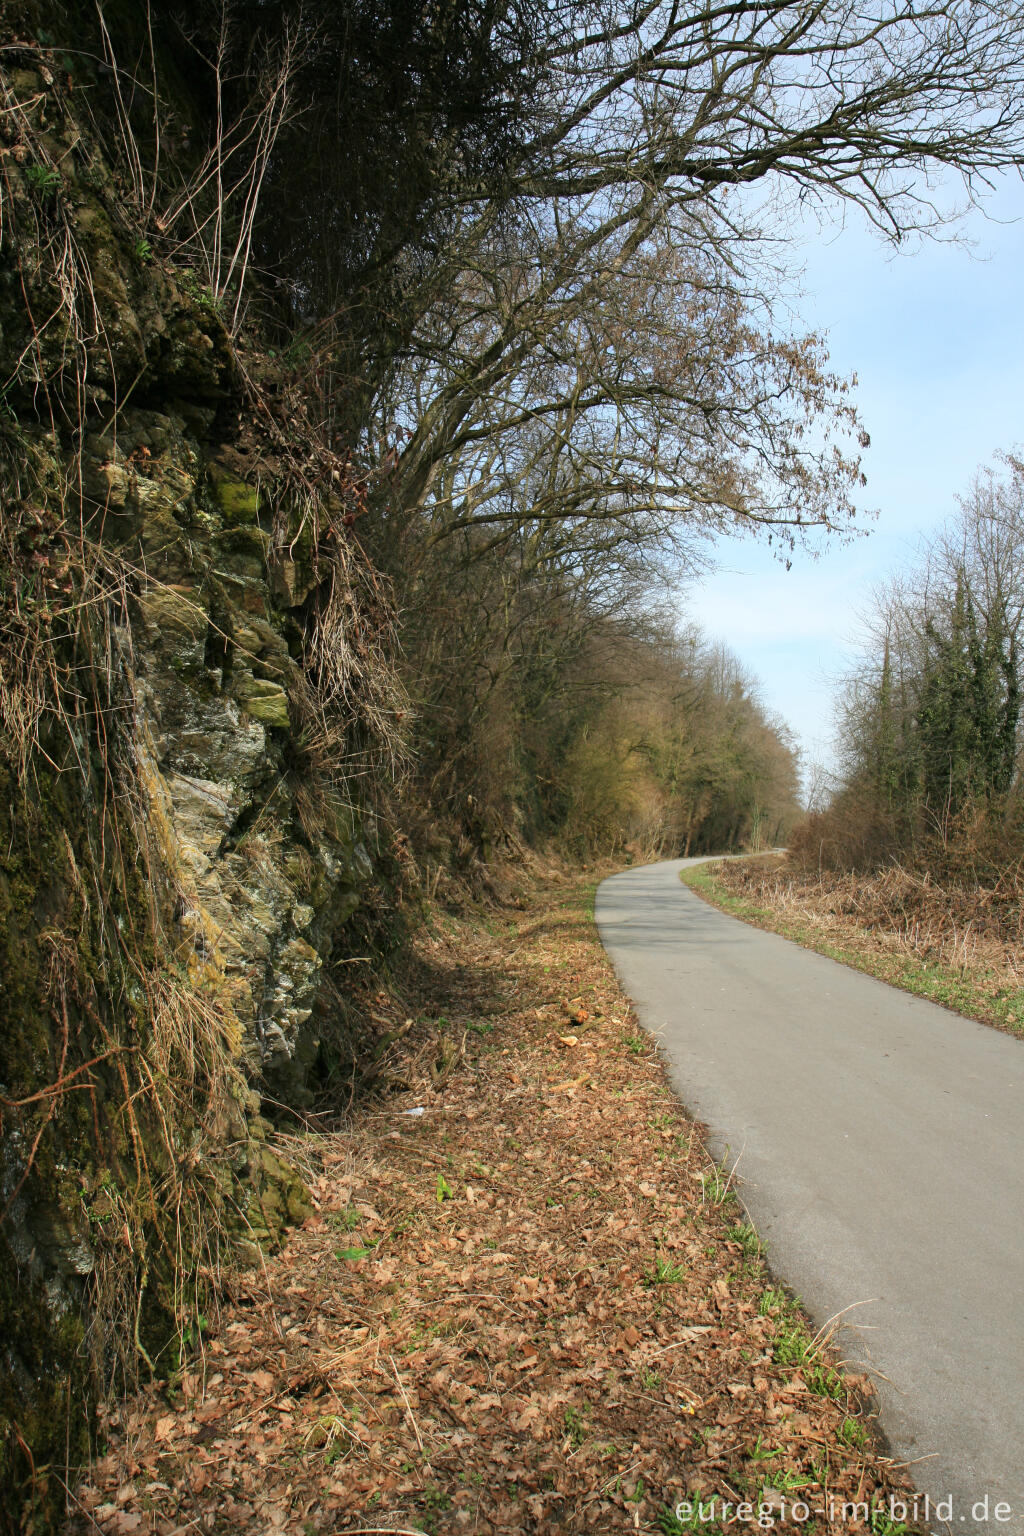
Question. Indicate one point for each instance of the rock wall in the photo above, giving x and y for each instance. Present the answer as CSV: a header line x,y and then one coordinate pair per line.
x,y
183,854
214,639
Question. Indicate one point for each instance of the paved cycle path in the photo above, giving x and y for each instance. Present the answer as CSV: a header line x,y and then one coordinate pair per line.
x,y
881,1156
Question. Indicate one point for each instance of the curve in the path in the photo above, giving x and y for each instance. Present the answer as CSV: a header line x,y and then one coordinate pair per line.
x,y
881,1146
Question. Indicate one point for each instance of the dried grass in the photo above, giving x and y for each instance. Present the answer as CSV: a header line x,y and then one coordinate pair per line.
x,y
162,1080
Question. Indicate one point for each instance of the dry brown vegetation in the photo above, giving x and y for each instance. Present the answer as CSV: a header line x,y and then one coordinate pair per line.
x,y
532,1306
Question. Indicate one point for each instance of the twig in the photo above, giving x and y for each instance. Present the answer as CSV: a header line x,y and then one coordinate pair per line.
x,y
408,1406
383,1530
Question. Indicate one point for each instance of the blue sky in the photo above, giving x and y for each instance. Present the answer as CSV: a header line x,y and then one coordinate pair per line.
x,y
936,338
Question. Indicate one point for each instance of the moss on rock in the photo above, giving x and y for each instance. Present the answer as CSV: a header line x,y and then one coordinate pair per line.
x,y
238,503
174,884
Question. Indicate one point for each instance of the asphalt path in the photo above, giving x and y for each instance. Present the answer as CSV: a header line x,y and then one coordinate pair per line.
x,y
880,1141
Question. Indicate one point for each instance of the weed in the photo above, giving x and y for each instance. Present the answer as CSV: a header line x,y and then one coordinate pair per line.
x,y
774,1299
433,1498
882,1522
197,291
296,353
192,1332
792,1341
649,1379
142,252
793,1346
743,1232
662,1122
665,1273
331,1437
352,1255
825,1380
43,179
670,1524
853,1434
760,1453
636,1043
347,1220
716,1186
788,1481
575,1427
444,1190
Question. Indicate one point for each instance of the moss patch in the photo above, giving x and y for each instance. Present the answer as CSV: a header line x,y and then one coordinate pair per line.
x,y
238,503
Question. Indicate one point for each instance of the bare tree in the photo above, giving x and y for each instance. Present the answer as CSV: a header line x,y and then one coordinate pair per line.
x,y
632,384
598,342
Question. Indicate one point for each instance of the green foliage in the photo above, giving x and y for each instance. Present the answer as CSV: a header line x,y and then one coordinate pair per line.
x,y
761,1452
794,1346
199,292
931,720
788,1481
853,1434
716,1186
969,706
744,1233
44,180
574,1420
347,1220
670,1524
665,1272
773,1299
882,1522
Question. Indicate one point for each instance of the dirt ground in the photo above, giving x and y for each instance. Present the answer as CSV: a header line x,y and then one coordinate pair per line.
x,y
527,1300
